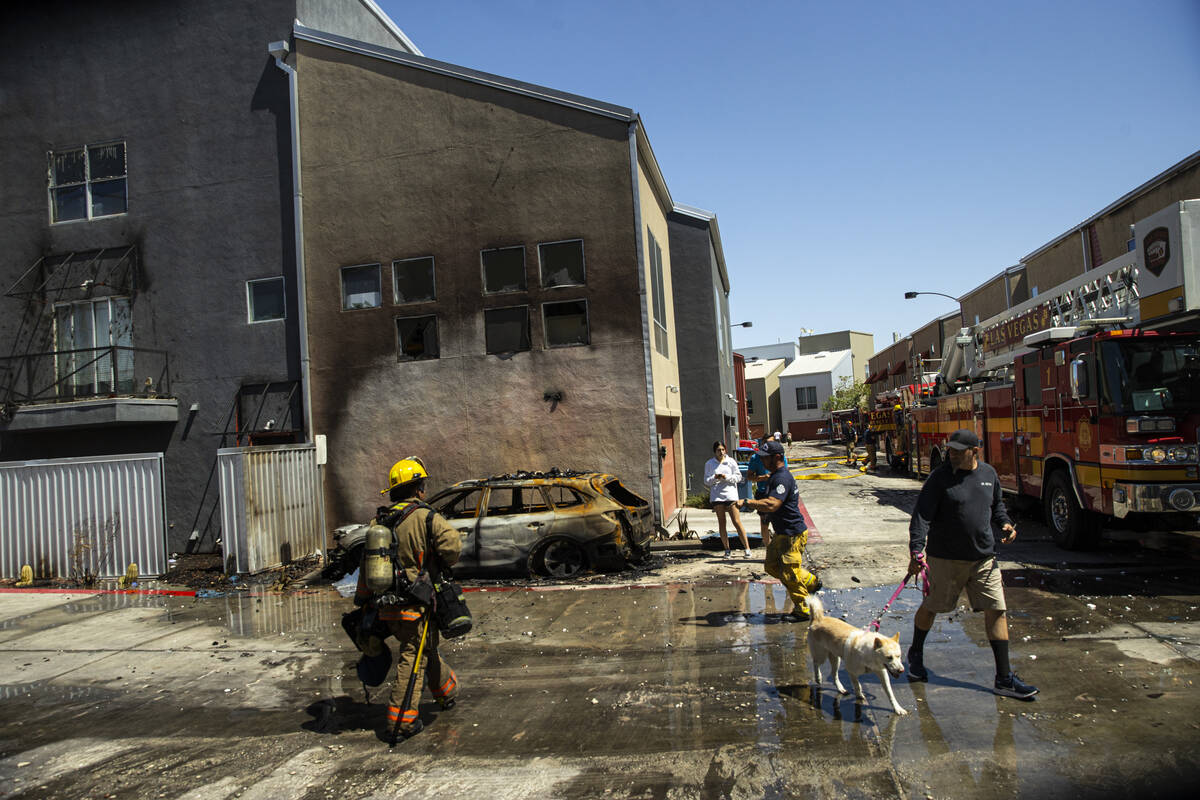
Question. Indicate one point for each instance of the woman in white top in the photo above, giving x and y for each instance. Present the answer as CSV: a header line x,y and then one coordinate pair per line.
x,y
721,476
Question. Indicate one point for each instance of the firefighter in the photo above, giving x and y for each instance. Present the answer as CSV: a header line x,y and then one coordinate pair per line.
x,y
851,436
407,622
781,502
871,439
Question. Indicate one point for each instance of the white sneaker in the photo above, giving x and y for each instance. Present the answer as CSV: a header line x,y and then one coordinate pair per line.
x,y
747,553
727,555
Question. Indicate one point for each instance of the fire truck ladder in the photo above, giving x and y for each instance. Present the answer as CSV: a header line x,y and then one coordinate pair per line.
x,y
1106,295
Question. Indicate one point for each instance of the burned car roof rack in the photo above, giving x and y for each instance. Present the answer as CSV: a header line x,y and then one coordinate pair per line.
x,y
553,472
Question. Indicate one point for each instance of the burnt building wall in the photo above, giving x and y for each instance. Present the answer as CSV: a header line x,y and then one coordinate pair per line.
x,y
203,112
402,163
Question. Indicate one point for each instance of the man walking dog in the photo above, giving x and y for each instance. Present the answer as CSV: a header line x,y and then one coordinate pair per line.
x,y
952,525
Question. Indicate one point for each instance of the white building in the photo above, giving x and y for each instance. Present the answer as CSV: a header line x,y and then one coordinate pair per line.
x,y
805,385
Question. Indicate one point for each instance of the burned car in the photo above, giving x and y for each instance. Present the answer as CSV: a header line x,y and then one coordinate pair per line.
x,y
557,524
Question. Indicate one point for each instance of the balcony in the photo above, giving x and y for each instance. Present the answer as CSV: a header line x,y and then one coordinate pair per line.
x,y
85,388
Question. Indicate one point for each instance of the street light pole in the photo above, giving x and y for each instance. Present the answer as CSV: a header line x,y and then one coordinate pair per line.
x,y
911,295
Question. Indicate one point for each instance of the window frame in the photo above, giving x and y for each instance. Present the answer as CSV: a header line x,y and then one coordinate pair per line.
x,y
432,280
87,181
587,324
658,302
342,284
524,287
250,320
809,391
542,265
528,331
437,336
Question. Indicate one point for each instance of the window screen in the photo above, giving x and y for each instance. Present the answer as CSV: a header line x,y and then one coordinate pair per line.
x,y
360,287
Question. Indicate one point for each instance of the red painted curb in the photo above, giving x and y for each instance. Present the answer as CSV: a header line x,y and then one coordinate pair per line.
x,y
813,534
169,592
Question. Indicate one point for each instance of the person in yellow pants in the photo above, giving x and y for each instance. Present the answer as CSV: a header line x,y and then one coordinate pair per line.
x,y
782,504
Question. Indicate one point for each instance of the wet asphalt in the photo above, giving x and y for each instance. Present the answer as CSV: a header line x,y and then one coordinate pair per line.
x,y
694,688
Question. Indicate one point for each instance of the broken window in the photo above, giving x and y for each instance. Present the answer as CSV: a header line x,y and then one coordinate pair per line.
x,y
503,269
464,505
658,297
515,500
413,280
562,263
264,299
563,497
360,287
566,323
416,338
506,330
88,182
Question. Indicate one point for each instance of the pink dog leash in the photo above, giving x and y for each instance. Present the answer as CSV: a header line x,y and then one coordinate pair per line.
x,y
875,622
924,573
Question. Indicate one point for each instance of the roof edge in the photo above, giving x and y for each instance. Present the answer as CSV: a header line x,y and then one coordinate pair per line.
x,y
547,94
714,232
392,27
1161,177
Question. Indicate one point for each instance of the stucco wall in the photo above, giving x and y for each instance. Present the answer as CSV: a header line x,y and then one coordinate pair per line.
x,y
400,163
702,316
203,110
1064,260
986,301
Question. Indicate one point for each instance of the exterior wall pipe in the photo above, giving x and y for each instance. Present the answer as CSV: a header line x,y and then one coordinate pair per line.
x,y
655,465
280,50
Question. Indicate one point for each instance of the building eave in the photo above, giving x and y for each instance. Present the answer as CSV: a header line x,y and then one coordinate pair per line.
x,y
500,82
1161,177
392,27
714,232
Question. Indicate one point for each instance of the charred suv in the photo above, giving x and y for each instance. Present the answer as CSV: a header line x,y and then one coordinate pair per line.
x,y
557,524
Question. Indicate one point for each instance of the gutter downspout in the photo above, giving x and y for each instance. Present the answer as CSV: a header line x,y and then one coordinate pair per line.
x,y
280,50
655,466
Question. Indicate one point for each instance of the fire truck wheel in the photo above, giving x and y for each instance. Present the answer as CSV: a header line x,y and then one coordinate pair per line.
x,y
1071,526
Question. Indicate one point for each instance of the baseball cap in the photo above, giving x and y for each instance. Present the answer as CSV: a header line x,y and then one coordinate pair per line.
x,y
962,438
771,448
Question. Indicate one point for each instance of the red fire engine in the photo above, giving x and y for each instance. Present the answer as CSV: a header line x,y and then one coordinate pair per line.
x,y
1086,397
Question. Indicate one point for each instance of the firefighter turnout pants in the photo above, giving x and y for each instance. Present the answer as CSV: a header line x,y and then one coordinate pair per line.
x,y
406,625
783,561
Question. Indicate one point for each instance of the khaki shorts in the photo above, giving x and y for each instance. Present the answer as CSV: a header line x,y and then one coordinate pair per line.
x,y
948,577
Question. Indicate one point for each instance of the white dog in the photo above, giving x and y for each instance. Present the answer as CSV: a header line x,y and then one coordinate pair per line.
x,y
863,651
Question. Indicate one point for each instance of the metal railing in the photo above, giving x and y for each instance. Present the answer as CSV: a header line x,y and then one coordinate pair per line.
x,y
90,373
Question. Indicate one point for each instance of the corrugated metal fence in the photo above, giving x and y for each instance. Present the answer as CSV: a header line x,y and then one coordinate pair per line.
x,y
65,516
272,509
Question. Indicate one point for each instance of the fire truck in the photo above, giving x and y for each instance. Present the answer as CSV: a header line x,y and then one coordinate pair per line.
x,y
1087,397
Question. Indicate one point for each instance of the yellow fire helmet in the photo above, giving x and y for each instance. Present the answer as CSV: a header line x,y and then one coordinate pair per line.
x,y
897,406
404,471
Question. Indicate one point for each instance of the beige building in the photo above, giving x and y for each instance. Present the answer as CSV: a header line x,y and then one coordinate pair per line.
x,y
861,346
762,396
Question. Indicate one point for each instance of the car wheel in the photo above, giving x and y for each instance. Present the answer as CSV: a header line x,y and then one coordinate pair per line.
x,y
560,558
1071,526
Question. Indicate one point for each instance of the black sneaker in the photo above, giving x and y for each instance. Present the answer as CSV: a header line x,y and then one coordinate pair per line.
x,y
1013,686
797,615
447,703
916,666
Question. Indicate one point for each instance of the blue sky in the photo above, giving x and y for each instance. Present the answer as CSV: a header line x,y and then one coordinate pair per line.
x,y
853,151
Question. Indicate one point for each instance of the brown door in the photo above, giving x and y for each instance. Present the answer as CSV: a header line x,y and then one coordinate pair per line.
x,y
670,497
